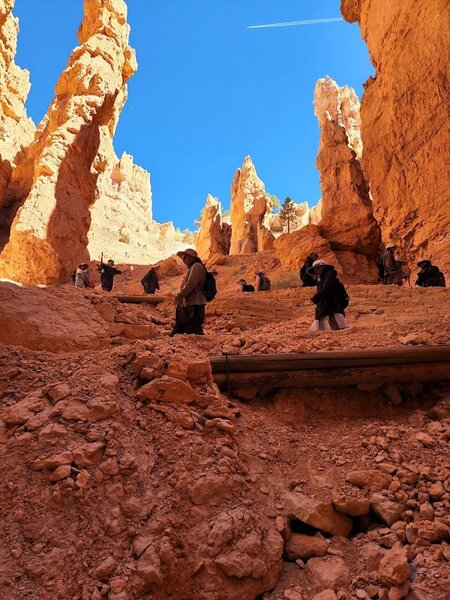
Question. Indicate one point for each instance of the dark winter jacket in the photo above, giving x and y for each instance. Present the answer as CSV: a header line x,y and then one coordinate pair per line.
x,y
431,276
150,282
107,276
327,297
307,279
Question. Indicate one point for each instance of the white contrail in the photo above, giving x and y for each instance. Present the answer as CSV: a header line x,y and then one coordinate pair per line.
x,y
297,23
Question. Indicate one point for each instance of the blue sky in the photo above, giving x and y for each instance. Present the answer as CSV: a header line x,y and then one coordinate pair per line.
x,y
209,91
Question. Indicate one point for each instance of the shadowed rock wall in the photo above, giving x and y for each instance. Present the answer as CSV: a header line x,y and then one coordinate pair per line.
x,y
404,113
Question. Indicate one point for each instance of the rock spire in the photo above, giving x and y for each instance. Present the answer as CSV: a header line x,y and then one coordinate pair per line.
x,y
250,203
214,234
54,187
347,220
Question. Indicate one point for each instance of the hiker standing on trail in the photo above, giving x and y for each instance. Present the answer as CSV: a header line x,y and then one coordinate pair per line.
x,y
190,300
150,282
429,275
262,283
108,272
392,271
245,287
306,279
82,276
331,298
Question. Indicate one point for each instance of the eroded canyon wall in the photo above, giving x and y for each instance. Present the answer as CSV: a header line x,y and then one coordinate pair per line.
x,y
16,128
55,185
405,112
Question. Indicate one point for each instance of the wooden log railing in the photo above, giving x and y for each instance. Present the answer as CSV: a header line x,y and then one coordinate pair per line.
x,y
336,368
148,299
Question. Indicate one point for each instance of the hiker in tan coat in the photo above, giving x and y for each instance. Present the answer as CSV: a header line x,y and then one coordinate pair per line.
x,y
190,300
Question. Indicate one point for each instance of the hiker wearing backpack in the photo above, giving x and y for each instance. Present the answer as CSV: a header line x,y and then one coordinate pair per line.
x,y
331,298
196,290
262,283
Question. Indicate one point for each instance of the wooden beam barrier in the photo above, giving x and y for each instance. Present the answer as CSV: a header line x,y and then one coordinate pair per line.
x,y
323,369
140,299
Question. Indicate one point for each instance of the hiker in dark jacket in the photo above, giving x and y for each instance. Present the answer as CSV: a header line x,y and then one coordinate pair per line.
x,y
393,274
429,275
329,298
306,279
190,300
108,272
150,281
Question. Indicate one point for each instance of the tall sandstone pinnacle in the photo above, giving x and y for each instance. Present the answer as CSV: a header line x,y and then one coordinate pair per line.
x,y
347,220
404,112
54,187
16,129
214,234
250,204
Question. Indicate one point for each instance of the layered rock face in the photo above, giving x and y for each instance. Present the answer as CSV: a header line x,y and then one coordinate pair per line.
x,y
54,187
250,204
214,234
347,220
16,129
121,218
404,111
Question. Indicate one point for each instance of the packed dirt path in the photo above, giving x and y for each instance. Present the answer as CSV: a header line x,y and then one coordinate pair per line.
x,y
126,474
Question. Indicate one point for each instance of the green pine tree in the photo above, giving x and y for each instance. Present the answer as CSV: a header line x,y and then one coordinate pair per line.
x,y
287,213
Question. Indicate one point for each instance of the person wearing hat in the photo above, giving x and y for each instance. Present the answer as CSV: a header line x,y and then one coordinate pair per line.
x,y
306,279
82,276
150,281
190,300
393,274
331,298
429,275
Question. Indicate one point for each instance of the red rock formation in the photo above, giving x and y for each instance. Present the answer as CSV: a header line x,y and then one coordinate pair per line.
x,y
56,184
347,220
250,204
16,129
404,114
213,237
293,248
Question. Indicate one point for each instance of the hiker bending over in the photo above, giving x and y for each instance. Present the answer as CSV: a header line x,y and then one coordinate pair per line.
x,y
331,298
245,287
392,270
306,279
429,275
190,300
262,283
82,276
108,272
150,282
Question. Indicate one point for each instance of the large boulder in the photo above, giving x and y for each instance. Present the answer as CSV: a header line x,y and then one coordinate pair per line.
x,y
293,248
50,319
315,513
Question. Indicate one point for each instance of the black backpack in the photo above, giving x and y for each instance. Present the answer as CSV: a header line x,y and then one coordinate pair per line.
x,y
209,287
341,295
